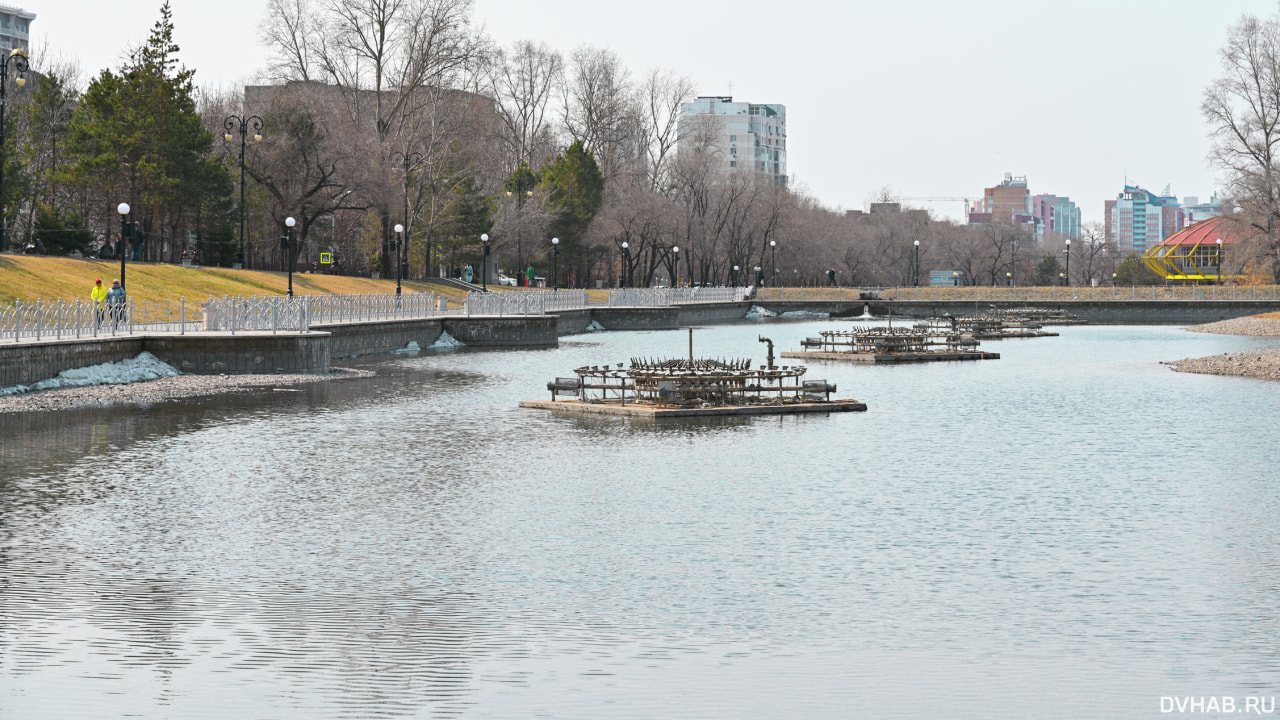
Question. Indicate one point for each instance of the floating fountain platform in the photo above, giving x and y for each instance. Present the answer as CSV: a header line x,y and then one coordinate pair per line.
x,y
667,388
890,345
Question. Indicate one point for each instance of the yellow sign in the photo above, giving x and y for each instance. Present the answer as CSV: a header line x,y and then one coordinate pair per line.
x,y
326,258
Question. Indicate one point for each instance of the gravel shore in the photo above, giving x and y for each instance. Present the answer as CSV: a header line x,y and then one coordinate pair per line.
x,y
1259,364
169,388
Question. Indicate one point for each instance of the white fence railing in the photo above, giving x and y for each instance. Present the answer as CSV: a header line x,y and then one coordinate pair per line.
x,y
664,297
1057,293
257,314
337,309
61,319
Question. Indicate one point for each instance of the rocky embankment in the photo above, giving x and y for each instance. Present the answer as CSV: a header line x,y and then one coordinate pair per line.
x,y
1260,364
169,388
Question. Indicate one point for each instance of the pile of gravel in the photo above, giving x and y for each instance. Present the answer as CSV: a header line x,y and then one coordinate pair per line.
x,y
1258,326
1260,364
168,388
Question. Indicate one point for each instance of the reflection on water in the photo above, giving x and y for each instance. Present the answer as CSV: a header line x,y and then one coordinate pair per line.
x,y
1070,531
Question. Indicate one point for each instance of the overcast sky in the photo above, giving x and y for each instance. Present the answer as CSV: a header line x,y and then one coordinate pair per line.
x,y
930,99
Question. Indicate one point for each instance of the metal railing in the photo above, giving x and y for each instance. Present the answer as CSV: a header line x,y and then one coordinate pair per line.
x,y
257,314
61,319
337,309
1124,293
665,297
502,304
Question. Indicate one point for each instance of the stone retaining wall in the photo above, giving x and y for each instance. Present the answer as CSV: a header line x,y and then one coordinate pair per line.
x,y
27,363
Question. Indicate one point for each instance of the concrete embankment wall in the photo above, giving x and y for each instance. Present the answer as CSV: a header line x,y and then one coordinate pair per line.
x,y
1100,312
211,353
197,354
32,362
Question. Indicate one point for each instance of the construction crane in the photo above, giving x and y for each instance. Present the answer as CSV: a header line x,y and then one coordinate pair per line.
x,y
964,215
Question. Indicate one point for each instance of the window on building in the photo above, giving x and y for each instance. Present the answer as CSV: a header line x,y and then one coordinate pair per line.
x,y
733,163
733,138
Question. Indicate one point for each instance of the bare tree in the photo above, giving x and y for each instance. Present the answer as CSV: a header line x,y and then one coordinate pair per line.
x,y
1242,108
663,93
600,110
523,82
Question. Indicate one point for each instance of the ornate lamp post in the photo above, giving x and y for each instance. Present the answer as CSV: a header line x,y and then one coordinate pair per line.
x,y
759,275
1067,275
484,271
287,243
410,160
773,253
520,230
242,125
19,59
733,281
917,272
675,267
555,264
1219,241
626,264
396,244
123,209
955,279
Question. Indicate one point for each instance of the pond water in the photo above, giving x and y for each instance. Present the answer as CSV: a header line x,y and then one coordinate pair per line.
x,y
1070,531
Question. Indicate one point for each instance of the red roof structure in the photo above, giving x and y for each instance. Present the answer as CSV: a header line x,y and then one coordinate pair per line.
x,y
1193,253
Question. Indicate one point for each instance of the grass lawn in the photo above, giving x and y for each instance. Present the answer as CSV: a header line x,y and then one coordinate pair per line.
x,y
32,277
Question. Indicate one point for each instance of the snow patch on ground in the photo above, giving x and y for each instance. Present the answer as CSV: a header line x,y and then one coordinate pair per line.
x,y
756,312
805,314
595,327
410,349
137,369
447,341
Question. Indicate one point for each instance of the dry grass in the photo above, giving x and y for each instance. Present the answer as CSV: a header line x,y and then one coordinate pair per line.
x,y
1270,316
31,277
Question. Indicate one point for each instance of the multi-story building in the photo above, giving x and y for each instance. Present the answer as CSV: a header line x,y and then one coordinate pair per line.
x,y
1009,202
1138,219
1195,211
1055,215
746,136
15,28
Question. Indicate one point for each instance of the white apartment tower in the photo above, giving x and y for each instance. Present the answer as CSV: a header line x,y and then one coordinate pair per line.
x,y
748,136
15,28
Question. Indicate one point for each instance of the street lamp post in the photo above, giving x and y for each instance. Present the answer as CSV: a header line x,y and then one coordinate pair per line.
x,y
917,272
520,230
123,209
555,264
484,271
409,160
733,281
1009,278
287,242
1067,275
396,245
675,267
1219,241
1014,266
240,124
773,254
626,264
759,275
19,59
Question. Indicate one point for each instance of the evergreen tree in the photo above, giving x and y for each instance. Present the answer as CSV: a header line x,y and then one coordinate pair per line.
x,y
137,137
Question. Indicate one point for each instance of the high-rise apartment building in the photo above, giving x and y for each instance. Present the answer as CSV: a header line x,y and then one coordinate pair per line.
x,y
1055,215
15,28
1138,219
746,136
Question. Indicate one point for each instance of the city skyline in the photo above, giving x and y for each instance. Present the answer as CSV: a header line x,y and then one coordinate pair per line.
x,y
925,99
